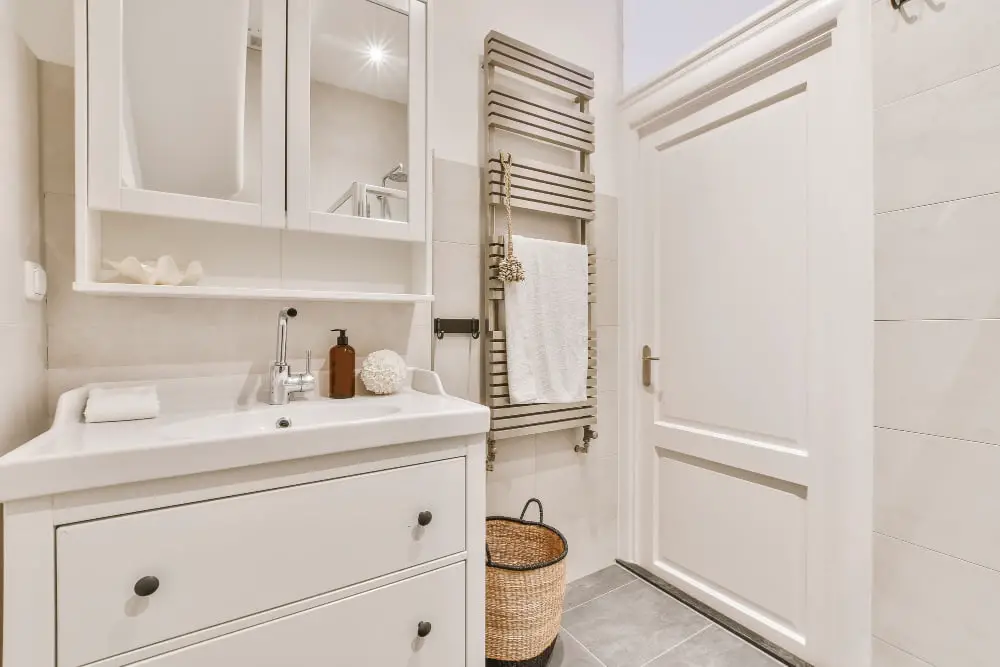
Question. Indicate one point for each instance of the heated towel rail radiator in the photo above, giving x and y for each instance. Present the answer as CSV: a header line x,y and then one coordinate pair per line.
x,y
543,188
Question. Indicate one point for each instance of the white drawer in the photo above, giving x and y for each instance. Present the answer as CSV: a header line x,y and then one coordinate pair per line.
x,y
225,559
377,629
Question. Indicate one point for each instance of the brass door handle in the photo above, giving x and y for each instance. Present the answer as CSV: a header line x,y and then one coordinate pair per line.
x,y
647,365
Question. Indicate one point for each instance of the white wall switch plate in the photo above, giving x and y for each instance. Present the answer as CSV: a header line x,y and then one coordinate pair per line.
x,y
36,282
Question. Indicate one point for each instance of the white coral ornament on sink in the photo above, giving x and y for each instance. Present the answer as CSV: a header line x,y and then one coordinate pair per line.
x,y
383,372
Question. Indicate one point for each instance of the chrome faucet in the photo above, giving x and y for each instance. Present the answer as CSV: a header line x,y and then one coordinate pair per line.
x,y
282,382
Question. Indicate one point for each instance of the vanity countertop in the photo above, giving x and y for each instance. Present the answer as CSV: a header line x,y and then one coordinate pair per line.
x,y
201,429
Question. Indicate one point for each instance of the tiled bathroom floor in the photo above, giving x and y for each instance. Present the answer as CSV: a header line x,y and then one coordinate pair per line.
x,y
613,619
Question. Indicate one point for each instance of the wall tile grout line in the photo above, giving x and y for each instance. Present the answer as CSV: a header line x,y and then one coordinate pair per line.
x,y
902,650
937,435
461,243
941,319
583,646
936,87
680,643
935,551
937,203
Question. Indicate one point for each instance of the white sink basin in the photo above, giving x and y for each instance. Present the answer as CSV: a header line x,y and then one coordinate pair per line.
x,y
305,414
217,424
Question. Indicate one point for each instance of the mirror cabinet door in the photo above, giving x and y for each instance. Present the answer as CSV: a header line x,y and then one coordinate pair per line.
x,y
180,99
357,137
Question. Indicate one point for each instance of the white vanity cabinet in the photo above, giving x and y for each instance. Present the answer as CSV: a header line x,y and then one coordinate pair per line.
x,y
219,560
379,628
248,551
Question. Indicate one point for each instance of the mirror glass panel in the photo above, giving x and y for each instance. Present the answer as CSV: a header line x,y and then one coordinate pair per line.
x,y
191,97
359,91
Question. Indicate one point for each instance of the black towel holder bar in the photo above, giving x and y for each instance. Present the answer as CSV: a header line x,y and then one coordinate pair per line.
x,y
467,326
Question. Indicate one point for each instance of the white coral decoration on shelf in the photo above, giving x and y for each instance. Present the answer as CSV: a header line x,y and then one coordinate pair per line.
x,y
383,372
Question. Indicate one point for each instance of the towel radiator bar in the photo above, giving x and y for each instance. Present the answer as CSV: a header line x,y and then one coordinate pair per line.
x,y
543,188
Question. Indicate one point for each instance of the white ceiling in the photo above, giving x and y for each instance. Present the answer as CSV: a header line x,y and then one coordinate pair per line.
x,y
342,33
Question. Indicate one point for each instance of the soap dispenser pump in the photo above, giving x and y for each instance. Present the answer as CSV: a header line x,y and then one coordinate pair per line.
x,y
342,367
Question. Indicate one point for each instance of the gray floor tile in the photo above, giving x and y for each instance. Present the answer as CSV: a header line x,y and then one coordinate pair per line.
x,y
570,653
598,583
714,647
632,625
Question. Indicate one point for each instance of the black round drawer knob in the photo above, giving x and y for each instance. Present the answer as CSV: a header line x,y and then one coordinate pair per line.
x,y
423,629
424,518
146,586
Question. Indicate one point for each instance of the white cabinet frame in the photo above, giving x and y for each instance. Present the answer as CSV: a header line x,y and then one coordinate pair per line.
x,y
300,213
103,60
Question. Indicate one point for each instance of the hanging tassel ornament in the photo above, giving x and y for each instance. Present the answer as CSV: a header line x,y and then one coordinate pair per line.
x,y
510,269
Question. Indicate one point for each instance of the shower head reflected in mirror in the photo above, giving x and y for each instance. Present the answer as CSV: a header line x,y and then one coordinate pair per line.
x,y
397,175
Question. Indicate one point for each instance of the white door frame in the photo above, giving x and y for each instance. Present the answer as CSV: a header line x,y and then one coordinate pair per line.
x,y
775,34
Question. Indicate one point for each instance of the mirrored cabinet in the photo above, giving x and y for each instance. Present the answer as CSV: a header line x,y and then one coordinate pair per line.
x,y
357,94
186,114
200,120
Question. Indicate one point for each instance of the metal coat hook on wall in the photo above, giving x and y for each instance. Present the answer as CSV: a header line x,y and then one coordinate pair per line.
x,y
897,4
468,327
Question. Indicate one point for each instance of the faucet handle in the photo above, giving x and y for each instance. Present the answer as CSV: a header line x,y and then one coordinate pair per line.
x,y
309,361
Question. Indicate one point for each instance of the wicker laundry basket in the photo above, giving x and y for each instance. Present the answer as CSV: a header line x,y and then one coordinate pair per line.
x,y
525,581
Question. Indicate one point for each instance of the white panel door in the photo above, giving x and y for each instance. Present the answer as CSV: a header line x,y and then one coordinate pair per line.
x,y
758,406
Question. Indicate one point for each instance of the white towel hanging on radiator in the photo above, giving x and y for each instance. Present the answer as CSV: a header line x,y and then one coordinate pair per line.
x,y
546,323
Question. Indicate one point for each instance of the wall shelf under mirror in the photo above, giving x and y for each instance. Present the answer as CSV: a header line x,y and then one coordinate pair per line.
x,y
297,123
262,293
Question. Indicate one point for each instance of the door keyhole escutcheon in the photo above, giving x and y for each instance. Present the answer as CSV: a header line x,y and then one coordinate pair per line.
x,y
647,365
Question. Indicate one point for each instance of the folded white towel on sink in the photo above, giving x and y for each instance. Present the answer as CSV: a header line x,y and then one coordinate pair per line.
x,y
118,404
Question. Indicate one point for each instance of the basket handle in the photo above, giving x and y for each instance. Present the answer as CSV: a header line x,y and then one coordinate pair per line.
x,y
528,504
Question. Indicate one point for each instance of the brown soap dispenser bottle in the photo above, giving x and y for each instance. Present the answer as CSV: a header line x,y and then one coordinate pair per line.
x,y
341,367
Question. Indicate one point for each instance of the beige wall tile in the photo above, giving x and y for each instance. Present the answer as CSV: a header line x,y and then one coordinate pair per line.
x,y
940,145
57,126
604,229
607,424
930,43
22,322
512,481
19,164
938,262
580,495
58,251
606,308
457,361
457,280
937,88
24,414
939,378
457,202
607,358
13,421
940,609
886,655
940,493
418,347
